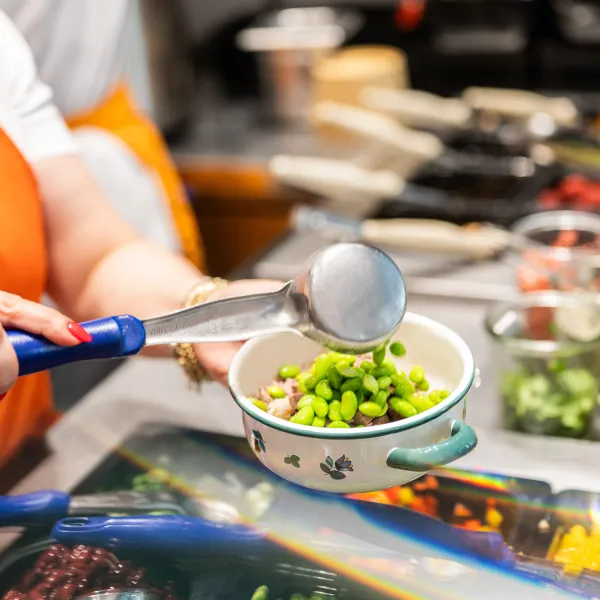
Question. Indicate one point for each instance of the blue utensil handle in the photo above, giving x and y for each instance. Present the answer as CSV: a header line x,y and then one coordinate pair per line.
x,y
461,441
112,337
165,534
36,509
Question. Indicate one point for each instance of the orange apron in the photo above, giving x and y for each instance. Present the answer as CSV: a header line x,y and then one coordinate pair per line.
x,y
119,116
27,411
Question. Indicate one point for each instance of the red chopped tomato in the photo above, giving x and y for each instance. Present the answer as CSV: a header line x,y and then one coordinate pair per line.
x,y
460,510
566,239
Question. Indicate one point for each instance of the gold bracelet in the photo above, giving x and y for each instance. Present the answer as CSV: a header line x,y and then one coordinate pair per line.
x,y
185,354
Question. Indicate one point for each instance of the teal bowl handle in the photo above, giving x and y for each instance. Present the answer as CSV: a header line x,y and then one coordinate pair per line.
x,y
461,441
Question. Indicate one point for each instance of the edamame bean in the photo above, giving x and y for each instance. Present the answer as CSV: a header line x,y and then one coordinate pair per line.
x,y
381,397
261,593
318,422
334,377
421,403
349,358
309,383
289,371
370,409
323,389
384,383
304,416
382,371
301,381
434,396
348,406
336,395
275,391
346,370
338,425
367,366
424,385
379,355
444,394
398,349
320,406
384,409
258,403
306,400
417,374
405,389
334,412
370,384
403,408
351,385
320,367
390,365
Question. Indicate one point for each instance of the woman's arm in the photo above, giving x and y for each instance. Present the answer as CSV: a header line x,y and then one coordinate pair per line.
x,y
98,265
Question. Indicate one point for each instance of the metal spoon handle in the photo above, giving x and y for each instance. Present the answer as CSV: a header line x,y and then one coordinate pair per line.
x,y
227,320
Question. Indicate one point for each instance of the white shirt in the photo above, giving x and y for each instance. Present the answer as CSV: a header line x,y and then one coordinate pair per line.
x,y
78,46
27,112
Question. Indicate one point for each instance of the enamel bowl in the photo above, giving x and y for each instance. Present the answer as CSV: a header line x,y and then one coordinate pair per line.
x,y
368,458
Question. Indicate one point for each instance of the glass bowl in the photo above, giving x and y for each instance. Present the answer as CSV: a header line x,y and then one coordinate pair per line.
x,y
547,380
565,245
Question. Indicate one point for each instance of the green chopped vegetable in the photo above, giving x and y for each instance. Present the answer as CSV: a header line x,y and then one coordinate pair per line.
x,y
398,349
275,391
338,386
289,371
549,398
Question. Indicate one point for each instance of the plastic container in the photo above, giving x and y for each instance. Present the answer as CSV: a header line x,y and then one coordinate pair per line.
x,y
17,561
214,580
479,502
576,535
547,381
567,244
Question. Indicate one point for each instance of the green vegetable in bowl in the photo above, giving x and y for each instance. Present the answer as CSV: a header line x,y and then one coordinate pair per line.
x,y
262,593
339,391
549,399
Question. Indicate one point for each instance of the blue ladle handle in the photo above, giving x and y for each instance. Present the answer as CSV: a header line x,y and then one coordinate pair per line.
x,y
165,534
31,510
112,337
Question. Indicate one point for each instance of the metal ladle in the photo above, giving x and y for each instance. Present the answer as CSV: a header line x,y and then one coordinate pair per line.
x,y
348,297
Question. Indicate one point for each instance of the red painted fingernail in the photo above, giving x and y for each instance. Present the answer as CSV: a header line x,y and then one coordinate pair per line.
x,y
78,332
2,396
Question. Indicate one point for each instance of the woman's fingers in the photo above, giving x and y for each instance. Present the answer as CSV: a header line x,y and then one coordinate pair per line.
x,y
18,313
216,358
9,366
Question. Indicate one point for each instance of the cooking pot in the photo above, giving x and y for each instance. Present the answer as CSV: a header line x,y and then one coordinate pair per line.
x,y
369,458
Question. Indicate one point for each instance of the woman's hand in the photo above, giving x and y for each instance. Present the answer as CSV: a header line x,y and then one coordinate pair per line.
x,y
17,313
216,358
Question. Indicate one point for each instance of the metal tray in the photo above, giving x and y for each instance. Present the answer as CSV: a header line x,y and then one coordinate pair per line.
x,y
500,200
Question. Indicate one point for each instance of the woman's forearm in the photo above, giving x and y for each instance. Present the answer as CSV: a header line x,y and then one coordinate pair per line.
x,y
127,281
98,265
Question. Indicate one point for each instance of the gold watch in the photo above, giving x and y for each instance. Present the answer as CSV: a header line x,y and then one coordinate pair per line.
x,y
185,353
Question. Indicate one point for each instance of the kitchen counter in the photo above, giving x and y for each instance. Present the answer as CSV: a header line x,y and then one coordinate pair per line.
x,y
145,391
